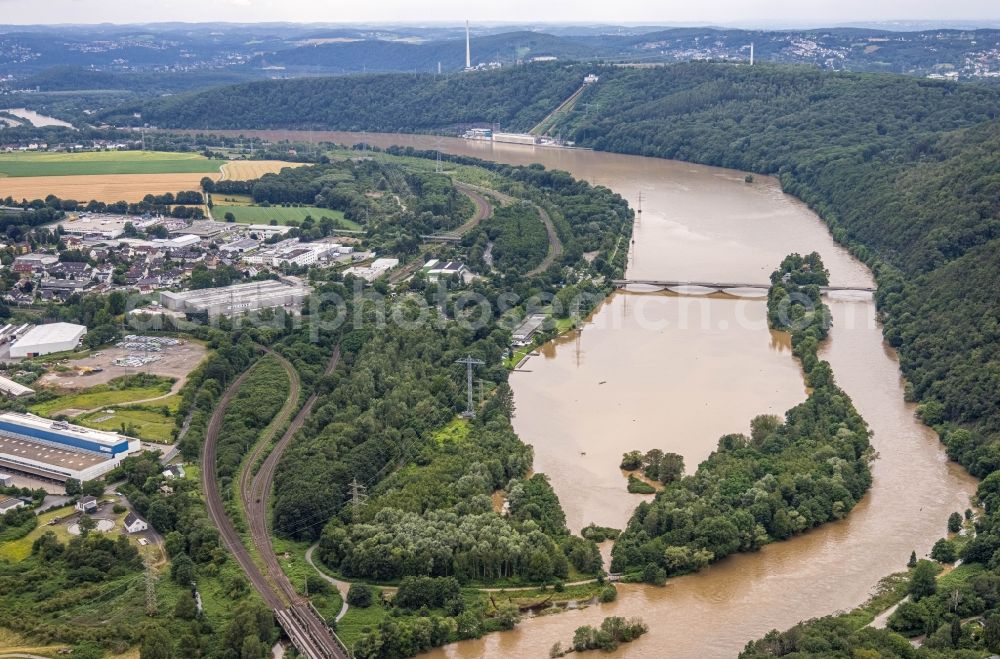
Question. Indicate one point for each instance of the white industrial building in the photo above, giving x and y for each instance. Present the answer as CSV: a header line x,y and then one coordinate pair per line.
x,y
376,269
526,331
288,292
13,389
435,269
294,252
57,450
46,339
265,231
178,242
242,246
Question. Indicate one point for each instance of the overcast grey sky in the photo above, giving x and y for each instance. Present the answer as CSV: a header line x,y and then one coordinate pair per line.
x,y
787,12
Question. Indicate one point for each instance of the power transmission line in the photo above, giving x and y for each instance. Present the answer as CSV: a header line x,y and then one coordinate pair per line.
x,y
469,361
358,498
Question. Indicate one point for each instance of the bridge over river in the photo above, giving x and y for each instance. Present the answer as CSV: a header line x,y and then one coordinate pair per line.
x,y
725,285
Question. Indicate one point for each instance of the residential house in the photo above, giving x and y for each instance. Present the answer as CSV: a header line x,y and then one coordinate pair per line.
x,y
86,504
173,471
9,504
134,525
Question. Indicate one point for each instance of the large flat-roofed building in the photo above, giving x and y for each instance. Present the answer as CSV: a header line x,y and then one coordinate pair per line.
x,y
515,138
525,332
287,292
58,450
376,269
46,339
203,229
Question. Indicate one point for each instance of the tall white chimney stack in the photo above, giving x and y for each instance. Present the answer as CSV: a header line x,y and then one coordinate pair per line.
x,y
751,53
468,49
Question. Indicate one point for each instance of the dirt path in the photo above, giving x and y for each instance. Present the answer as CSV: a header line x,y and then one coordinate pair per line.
x,y
555,245
341,586
344,586
174,389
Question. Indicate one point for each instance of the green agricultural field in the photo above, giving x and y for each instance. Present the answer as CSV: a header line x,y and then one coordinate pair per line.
x,y
104,162
147,422
15,551
115,392
232,199
245,214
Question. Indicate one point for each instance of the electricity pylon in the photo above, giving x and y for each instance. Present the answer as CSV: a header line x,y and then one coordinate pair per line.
x,y
469,361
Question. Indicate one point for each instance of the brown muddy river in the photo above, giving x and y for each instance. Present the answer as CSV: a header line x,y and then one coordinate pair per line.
x,y
675,372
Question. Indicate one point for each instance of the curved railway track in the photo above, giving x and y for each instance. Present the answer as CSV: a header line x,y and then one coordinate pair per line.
x,y
255,493
304,625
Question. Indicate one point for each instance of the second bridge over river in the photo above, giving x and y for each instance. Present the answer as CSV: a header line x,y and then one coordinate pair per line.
x,y
725,285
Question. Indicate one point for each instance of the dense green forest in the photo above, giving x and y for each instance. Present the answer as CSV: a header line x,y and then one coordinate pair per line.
x,y
518,237
388,199
516,98
785,478
250,411
587,218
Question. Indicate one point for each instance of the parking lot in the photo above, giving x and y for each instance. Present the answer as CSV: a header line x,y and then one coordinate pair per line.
x,y
174,361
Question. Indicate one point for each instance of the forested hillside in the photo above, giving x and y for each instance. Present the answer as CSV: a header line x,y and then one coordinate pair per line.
x,y
516,98
393,204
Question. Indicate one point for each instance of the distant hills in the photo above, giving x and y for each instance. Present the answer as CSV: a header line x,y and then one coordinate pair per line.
x,y
516,97
353,56
186,56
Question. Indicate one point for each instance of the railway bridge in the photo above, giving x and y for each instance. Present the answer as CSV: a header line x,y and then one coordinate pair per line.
x,y
725,285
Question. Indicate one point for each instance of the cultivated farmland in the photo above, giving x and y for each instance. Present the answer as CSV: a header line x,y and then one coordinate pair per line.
x,y
105,175
96,163
108,188
245,170
283,215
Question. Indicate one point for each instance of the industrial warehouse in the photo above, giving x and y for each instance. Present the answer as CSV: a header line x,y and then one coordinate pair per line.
x,y
57,450
46,339
287,292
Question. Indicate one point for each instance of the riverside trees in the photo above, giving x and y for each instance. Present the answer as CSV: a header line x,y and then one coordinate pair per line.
x,y
782,480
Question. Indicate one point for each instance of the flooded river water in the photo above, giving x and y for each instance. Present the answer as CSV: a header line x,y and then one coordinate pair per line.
x,y
676,372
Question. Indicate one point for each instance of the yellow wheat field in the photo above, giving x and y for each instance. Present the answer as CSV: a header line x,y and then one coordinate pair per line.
x,y
102,187
245,170
130,187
